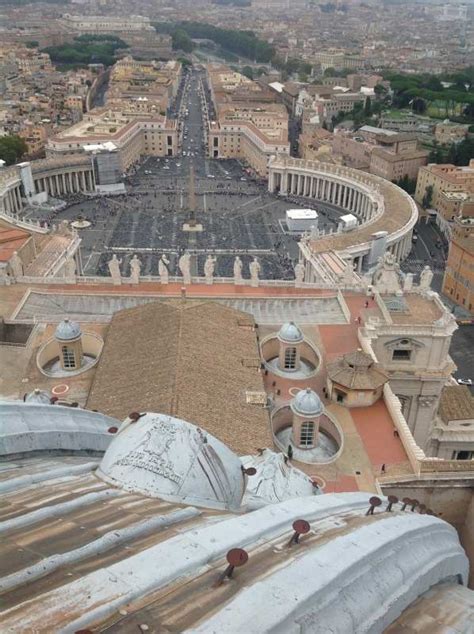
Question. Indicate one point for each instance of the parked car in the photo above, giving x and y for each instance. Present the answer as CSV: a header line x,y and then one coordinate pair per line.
x,y
464,381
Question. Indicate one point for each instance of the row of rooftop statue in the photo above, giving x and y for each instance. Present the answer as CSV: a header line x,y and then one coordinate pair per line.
x,y
184,264
386,277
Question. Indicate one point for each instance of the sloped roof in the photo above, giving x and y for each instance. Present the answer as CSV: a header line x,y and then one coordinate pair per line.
x,y
11,239
193,360
357,371
456,403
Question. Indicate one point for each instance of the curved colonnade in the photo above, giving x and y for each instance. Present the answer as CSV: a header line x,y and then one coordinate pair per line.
x,y
379,205
21,183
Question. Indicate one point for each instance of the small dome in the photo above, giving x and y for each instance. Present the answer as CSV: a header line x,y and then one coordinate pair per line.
x,y
67,330
39,397
168,458
290,333
307,403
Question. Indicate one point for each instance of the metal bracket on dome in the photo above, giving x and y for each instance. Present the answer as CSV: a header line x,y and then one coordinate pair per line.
x,y
301,527
374,501
392,499
236,557
134,416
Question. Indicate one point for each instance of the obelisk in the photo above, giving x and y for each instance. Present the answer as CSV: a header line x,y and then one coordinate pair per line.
x,y
191,227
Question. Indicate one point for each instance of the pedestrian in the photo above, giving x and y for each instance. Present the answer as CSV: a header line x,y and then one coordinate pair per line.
x,y
290,452
382,469
367,303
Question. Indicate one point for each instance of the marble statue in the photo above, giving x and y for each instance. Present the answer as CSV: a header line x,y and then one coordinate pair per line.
x,y
238,271
387,277
408,282
254,268
163,269
114,270
426,277
70,268
16,265
135,268
209,267
184,264
299,274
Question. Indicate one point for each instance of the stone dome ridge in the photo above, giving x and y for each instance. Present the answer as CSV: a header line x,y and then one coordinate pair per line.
x,y
307,403
67,330
39,397
168,458
290,333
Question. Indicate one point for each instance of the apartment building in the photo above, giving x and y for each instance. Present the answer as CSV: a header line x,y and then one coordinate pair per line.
x,y
458,283
381,152
448,132
106,24
142,87
444,178
132,136
397,156
338,59
250,123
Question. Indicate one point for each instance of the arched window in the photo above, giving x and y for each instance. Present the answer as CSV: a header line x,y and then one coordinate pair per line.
x,y
290,358
69,358
307,434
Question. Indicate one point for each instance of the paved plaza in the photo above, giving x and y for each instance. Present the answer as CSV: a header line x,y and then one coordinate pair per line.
x,y
237,214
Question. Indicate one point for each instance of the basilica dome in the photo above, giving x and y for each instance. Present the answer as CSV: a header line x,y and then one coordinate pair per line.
x,y
168,458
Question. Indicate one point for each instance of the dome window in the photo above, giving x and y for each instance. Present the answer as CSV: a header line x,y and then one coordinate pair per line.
x,y
307,434
68,358
290,358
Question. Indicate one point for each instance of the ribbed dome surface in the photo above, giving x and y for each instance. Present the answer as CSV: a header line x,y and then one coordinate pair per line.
x,y
171,459
67,330
290,333
307,403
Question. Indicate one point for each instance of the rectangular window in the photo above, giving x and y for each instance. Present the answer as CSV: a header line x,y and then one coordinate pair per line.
x,y
290,358
170,141
69,359
307,434
401,355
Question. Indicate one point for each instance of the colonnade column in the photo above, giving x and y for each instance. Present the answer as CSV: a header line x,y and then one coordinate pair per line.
x,y
271,182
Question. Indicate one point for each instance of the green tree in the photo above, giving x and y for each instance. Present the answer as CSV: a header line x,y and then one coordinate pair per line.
x,y
247,71
368,107
12,148
428,197
407,184
181,41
